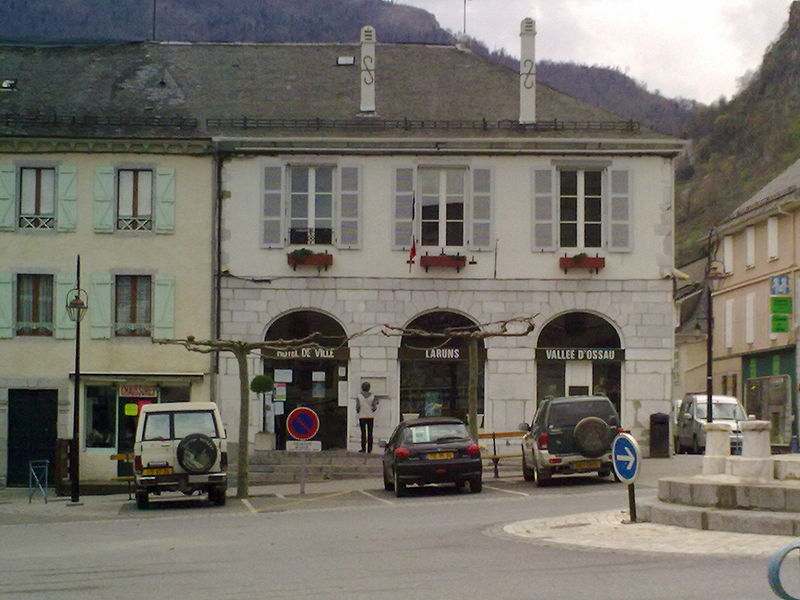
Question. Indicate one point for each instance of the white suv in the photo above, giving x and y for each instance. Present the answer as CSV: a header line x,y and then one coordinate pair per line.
x,y
180,446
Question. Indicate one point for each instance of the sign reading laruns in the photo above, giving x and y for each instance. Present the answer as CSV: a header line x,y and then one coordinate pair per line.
x,y
308,353
596,354
443,354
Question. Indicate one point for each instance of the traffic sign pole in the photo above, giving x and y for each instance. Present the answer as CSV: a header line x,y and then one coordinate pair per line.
x,y
626,459
303,424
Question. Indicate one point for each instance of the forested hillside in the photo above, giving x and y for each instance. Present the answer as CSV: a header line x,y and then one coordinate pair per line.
x,y
739,146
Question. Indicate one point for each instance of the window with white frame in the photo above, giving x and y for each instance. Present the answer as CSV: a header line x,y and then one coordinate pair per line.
x,y
311,205
34,305
132,305
581,208
37,198
306,204
135,199
443,207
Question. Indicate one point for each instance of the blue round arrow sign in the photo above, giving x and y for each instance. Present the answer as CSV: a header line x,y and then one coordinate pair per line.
x,y
626,457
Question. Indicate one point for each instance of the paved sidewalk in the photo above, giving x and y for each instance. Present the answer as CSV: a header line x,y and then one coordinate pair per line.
x,y
611,530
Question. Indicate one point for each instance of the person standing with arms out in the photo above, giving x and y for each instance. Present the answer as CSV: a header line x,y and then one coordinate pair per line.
x,y
366,405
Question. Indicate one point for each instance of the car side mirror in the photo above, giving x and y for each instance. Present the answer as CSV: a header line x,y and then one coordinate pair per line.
x,y
524,427
612,420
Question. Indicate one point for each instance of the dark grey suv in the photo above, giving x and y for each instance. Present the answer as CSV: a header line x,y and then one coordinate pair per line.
x,y
569,435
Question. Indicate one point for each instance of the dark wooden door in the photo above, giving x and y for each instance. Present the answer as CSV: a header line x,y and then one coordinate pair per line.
x,y
32,417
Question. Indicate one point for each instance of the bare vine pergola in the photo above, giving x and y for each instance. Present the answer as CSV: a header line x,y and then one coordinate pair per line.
x,y
241,350
502,328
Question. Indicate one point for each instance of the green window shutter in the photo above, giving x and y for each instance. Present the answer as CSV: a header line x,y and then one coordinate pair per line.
x,y
619,213
403,215
8,195
6,305
273,231
67,199
65,327
165,201
481,225
545,217
104,199
164,307
100,305
349,229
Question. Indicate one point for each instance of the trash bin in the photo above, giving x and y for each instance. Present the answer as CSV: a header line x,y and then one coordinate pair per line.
x,y
659,435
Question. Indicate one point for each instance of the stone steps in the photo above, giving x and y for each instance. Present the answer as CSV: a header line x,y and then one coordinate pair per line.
x,y
277,466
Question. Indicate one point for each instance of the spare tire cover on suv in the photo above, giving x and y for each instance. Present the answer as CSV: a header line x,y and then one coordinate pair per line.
x,y
197,453
592,436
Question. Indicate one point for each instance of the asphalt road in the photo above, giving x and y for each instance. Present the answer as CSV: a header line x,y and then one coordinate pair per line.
x,y
349,541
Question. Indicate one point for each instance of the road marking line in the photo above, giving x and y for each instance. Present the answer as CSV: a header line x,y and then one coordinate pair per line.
x,y
249,506
497,489
374,497
301,500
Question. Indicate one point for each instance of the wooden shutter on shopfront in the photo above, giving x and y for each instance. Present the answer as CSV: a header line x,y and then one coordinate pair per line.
x,y
64,326
482,189
403,214
8,196
273,229
6,305
104,199
163,306
619,213
100,310
165,201
349,212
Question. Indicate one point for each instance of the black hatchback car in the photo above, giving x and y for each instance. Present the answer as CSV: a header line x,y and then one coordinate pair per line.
x,y
431,450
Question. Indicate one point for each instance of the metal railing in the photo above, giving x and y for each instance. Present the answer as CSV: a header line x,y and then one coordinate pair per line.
x,y
38,475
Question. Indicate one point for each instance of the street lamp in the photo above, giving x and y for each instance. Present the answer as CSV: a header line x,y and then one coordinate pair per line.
x,y
77,305
715,275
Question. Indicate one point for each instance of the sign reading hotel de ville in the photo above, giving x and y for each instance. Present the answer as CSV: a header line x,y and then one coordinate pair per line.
x,y
308,353
596,354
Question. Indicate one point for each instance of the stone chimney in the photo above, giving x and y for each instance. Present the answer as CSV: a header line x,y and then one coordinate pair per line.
x,y
527,71
368,69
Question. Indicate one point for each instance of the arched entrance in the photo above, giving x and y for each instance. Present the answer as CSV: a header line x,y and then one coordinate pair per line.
x,y
434,372
579,353
310,376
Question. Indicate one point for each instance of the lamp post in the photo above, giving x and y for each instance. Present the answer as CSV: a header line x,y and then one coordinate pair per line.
x,y
77,304
715,275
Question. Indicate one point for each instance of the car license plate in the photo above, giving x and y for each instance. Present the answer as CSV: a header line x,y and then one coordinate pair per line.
x,y
586,465
440,455
157,471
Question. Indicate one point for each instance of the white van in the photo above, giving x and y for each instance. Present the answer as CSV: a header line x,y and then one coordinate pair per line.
x,y
180,446
690,433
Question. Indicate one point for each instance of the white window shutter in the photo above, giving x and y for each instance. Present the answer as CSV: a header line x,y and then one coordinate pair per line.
x,y
104,199
6,305
273,230
8,196
403,217
481,238
64,326
349,213
545,219
100,305
727,254
164,306
67,199
772,238
619,213
165,201
729,323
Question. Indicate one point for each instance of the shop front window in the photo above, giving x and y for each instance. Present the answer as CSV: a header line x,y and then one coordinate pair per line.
x,y
770,399
100,418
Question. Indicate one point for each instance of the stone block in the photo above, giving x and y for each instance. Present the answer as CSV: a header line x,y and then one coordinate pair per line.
x,y
714,465
755,439
750,469
703,494
792,499
787,467
767,498
739,522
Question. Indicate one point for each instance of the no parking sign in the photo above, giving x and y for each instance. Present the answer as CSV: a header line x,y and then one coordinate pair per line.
x,y
302,423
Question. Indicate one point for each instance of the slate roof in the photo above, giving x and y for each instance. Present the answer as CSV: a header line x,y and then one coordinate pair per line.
x,y
176,89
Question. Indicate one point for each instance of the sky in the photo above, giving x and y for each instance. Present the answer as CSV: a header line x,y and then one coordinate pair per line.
x,y
694,49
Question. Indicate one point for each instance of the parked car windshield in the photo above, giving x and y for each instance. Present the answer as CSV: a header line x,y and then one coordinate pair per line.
x,y
728,411
436,432
564,414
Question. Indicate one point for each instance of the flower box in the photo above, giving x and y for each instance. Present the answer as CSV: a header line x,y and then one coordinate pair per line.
x,y
443,260
582,262
313,259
